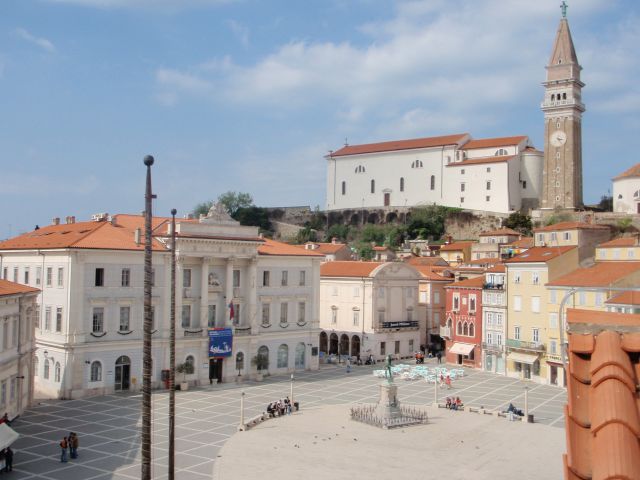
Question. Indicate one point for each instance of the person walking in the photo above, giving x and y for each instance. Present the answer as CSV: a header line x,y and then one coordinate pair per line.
x,y
348,365
448,382
8,458
439,356
73,447
64,444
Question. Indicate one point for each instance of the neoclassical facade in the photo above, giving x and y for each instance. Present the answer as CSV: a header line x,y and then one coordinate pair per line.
x,y
89,332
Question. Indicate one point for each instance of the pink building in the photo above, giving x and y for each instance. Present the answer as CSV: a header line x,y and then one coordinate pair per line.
x,y
463,324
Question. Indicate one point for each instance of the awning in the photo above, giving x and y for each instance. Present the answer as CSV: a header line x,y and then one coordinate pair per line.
x,y
522,357
7,436
461,348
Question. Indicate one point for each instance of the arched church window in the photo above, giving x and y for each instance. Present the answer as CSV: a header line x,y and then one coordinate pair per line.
x,y
636,194
373,186
344,188
402,184
433,182
500,152
553,97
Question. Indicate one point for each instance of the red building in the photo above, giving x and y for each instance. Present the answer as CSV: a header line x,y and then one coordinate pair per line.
x,y
463,322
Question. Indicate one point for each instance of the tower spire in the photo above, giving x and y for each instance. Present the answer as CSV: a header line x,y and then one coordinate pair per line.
x,y
563,7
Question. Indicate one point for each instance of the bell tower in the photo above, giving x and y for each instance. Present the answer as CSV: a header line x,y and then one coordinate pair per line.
x,y
562,107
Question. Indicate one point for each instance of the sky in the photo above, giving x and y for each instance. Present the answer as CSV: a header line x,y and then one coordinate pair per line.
x,y
250,95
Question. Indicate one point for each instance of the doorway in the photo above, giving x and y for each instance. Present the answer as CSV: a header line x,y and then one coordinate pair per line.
x,y
554,375
215,370
387,199
123,373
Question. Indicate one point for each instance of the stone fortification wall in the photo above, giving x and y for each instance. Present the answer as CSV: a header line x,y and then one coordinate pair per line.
x,y
467,225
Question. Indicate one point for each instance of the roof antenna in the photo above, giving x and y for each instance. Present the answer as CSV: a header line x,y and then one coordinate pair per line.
x,y
346,142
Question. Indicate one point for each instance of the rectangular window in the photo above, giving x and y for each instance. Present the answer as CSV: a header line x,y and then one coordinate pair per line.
x,y
153,277
3,393
463,186
334,316
98,320
456,301
383,348
47,319
631,253
285,278
489,338
567,235
356,318
488,199
540,237
616,253
186,278
302,313
26,275
517,303
554,236
536,335
356,291
488,169
409,292
498,339
516,332
60,277
38,275
488,185
553,296
99,280
5,273
334,291
436,298
397,347
14,333
5,335
553,347
36,316
411,345
599,299
49,276
211,316
380,292
236,316
582,298
58,319
535,304
125,315
236,279
436,318
125,277
153,318
381,316
284,313
553,320
409,315
186,316
265,278
303,278
266,314
472,303
15,275
12,394
461,199
516,277
535,278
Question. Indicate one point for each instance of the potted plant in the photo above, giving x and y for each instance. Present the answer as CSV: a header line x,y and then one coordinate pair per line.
x,y
185,369
261,362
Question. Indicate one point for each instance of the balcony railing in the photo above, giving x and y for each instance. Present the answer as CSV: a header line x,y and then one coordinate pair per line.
x,y
193,333
445,332
493,286
402,324
492,347
240,331
522,345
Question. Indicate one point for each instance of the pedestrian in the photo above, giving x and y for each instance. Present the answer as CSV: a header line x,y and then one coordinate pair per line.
x,y
63,447
441,380
74,445
5,419
348,365
439,356
448,382
8,458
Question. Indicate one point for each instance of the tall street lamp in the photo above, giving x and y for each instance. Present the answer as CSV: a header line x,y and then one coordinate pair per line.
x,y
172,353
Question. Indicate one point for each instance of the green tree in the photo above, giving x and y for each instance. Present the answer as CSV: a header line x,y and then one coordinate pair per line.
x,y
624,224
519,222
305,235
202,208
365,251
373,234
253,216
606,203
341,232
428,221
234,201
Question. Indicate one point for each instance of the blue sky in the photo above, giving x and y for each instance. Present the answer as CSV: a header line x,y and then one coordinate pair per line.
x,y
249,95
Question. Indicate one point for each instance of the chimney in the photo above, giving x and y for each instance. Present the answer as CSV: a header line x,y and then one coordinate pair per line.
x,y
55,221
449,239
70,220
334,240
136,235
261,235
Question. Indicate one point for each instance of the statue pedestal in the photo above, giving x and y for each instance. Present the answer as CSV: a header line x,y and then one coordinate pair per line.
x,y
388,406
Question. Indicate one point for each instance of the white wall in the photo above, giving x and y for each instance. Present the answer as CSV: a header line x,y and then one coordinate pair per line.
x,y
624,190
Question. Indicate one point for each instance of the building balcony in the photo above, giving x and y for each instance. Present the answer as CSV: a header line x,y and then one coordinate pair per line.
x,y
445,332
522,345
400,324
492,347
242,330
493,286
194,333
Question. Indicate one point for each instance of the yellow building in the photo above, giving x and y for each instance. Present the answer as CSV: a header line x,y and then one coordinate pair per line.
x,y
527,315
625,249
583,235
456,253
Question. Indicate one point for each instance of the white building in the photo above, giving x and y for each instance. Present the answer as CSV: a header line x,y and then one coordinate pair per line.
x,y
91,274
18,313
370,308
626,191
496,174
494,320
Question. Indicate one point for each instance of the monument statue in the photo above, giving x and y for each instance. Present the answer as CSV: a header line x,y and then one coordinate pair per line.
x,y
387,369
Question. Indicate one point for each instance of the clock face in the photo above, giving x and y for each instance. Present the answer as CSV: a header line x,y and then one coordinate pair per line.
x,y
558,138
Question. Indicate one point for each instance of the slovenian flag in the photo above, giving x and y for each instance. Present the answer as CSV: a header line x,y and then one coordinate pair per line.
x,y
231,311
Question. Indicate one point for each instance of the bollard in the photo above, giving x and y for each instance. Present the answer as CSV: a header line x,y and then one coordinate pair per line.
x,y
526,403
241,427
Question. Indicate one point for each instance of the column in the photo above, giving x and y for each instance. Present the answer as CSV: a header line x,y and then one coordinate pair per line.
x,y
204,293
229,290
253,295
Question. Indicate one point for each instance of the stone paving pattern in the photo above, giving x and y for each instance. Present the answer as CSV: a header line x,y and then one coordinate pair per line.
x,y
108,426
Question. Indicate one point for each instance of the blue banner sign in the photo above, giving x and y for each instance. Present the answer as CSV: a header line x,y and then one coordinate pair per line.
x,y
220,342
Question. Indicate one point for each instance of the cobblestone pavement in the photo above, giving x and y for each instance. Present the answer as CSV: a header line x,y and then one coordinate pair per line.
x,y
108,426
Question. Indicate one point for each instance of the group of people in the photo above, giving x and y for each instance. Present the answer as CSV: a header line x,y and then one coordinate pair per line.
x,y
419,357
6,459
445,381
279,408
454,403
69,443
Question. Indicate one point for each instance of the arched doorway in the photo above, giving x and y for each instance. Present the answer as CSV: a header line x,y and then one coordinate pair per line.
x,y
333,344
300,353
344,344
355,346
324,342
123,373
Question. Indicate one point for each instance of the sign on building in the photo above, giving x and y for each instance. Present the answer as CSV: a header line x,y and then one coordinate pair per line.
x,y
220,342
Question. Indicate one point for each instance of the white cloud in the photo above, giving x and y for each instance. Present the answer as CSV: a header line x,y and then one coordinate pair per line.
x,y
151,4
240,31
40,42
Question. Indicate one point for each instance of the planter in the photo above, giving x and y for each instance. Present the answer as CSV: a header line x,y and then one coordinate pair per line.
x,y
259,377
184,386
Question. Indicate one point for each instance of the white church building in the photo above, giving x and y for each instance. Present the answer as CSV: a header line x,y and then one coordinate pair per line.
x,y
499,175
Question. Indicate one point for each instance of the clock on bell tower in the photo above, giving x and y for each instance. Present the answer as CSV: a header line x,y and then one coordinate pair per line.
x,y
562,107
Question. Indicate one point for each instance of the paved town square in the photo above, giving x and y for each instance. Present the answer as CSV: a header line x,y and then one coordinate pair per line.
x,y
207,417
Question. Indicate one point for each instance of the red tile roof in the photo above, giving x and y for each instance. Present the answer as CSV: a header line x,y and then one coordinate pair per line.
x,y
631,172
476,282
571,226
272,247
525,242
348,269
399,145
416,261
428,272
455,246
621,242
325,248
11,288
600,274
625,298
494,142
602,417
500,268
484,261
500,232
540,254
481,160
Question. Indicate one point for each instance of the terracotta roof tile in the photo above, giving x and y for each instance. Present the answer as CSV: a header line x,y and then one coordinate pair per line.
x,y
525,242
621,242
631,172
456,246
578,395
500,232
571,226
484,261
429,273
272,247
477,282
415,261
348,269
600,274
540,254
631,343
324,248
625,298
481,160
616,453
578,456
12,288
608,351
583,343
579,367
609,319
609,398
494,142
394,145
500,268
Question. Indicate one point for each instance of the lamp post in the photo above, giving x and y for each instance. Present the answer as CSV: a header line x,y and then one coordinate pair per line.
x,y
526,404
241,426
146,344
291,393
172,353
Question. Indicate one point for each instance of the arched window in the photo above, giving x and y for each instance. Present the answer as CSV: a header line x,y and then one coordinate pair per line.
x,y
636,194
553,97
360,169
501,151
263,358
283,356
402,184
96,371
472,330
46,370
433,182
459,328
373,186
449,322
240,361
36,365
57,372
465,329
564,96
190,360
417,164
344,188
